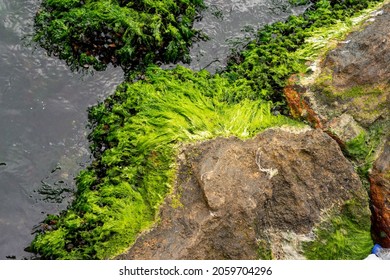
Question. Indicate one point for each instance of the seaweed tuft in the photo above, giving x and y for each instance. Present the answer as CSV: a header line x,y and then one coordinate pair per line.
x,y
131,34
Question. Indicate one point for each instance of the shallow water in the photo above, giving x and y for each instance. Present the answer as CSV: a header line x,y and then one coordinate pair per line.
x,y
43,109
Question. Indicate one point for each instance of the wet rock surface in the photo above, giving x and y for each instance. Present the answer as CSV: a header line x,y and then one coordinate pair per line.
x,y
235,198
364,57
380,196
355,76
344,129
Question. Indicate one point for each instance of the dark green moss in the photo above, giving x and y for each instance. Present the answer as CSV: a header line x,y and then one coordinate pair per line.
x,y
264,251
358,91
362,149
267,62
131,34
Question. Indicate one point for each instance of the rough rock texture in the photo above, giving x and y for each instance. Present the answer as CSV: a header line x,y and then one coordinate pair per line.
x,y
234,198
355,76
344,129
300,108
350,95
380,196
365,57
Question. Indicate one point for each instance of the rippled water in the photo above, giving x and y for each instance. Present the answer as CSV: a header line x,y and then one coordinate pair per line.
x,y
43,106
43,121
232,23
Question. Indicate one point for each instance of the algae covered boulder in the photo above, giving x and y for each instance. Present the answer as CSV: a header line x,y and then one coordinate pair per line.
x,y
349,93
267,197
352,78
355,75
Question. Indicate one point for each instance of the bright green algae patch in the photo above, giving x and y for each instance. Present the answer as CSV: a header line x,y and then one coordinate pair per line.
x,y
132,34
136,133
135,136
344,235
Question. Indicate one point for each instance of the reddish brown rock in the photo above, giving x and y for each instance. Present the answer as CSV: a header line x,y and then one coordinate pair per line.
x,y
380,196
299,108
364,58
354,77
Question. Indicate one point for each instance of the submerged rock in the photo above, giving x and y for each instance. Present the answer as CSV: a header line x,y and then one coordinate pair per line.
x,y
259,198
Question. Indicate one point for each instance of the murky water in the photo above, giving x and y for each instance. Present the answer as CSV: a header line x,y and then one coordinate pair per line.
x,y
43,131
43,109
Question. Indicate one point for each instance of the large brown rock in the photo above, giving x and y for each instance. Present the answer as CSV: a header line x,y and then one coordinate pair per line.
x,y
380,196
237,199
364,58
360,72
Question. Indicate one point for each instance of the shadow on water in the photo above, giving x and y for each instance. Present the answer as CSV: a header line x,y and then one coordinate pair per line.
x,y
43,109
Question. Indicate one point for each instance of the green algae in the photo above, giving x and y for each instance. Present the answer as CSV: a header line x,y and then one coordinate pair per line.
x,y
358,91
362,150
140,126
342,236
284,48
135,132
131,34
264,251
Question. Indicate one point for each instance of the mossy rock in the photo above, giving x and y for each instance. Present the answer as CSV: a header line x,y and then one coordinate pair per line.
x,y
135,137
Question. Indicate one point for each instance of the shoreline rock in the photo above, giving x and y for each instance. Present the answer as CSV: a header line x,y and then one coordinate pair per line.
x,y
350,99
353,78
261,197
